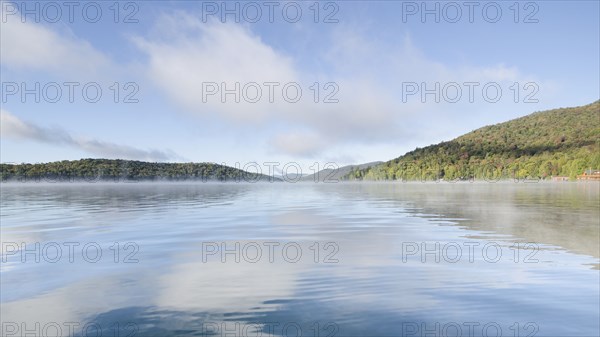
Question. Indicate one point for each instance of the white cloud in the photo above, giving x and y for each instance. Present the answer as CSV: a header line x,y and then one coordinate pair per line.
x,y
191,53
187,53
14,128
184,53
34,46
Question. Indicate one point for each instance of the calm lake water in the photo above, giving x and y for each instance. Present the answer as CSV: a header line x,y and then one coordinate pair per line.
x,y
465,259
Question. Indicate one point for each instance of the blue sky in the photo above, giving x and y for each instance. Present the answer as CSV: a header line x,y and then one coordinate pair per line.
x,y
372,55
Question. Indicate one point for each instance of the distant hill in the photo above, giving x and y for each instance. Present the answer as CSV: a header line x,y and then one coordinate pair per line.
x,y
559,142
337,174
115,170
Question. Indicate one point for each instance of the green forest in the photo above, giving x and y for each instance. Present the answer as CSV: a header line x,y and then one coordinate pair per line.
x,y
120,170
556,143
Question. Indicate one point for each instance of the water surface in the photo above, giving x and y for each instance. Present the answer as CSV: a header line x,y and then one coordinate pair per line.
x,y
360,259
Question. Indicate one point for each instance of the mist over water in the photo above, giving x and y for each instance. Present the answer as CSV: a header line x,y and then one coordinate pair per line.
x,y
306,259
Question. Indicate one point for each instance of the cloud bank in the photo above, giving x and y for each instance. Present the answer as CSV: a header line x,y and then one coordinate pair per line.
x,y
181,54
26,45
185,53
11,127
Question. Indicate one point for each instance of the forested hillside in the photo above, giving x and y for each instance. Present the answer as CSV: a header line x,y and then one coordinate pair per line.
x,y
560,142
115,170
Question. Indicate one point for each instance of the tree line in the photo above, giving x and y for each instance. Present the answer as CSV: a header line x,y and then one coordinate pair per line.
x,y
117,169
